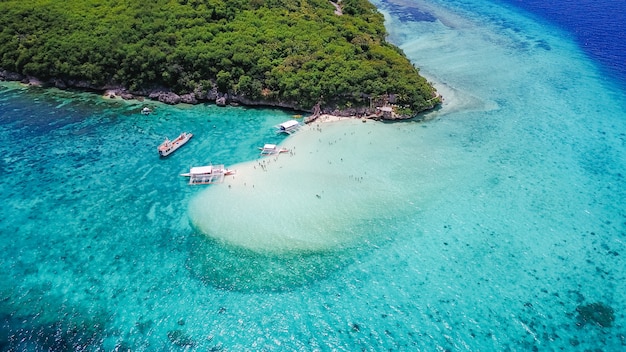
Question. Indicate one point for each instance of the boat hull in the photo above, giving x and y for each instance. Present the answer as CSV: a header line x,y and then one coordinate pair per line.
x,y
202,175
168,147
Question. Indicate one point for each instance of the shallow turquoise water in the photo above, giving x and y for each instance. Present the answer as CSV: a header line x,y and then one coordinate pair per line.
x,y
502,215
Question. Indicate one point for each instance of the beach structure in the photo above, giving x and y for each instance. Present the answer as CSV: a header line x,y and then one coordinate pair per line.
x,y
168,147
203,175
272,149
288,127
385,111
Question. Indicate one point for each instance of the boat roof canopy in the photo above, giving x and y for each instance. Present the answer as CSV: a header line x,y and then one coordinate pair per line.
x,y
201,170
289,124
269,146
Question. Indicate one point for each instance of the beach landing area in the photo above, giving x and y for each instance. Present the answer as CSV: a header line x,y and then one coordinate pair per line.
x,y
336,179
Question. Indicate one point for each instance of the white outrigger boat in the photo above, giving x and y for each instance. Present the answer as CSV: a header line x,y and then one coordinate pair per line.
x,y
272,149
168,147
203,175
288,127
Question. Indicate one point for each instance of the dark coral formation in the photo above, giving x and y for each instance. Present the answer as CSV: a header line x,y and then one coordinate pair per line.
x,y
178,337
595,313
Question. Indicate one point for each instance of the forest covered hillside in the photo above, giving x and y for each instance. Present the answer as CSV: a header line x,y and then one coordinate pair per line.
x,y
296,52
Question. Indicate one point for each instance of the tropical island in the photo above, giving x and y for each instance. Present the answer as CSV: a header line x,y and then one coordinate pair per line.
x,y
313,55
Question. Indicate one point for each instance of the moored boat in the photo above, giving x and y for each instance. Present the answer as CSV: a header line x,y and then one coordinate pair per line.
x,y
200,175
288,127
168,147
272,149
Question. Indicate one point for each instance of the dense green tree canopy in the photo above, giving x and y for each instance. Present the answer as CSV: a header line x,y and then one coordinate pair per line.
x,y
297,51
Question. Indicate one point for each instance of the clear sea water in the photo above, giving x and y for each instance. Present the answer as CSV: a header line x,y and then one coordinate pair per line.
x,y
499,223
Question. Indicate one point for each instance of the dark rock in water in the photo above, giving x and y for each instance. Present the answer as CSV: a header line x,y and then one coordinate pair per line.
x,y
595,313
127,96
169,98
178,337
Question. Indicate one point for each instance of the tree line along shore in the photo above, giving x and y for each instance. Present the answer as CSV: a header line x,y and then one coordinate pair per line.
x,y
299,54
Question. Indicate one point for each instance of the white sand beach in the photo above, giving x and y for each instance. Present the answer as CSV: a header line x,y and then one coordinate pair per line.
x,y
335,179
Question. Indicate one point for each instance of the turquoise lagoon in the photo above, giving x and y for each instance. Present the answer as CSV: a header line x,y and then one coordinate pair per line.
x,y
497,223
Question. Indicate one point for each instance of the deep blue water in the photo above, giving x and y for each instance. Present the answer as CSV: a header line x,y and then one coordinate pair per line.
x,y
598,26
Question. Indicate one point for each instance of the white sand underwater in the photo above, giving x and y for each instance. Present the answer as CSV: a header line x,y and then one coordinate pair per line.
x,y
336,179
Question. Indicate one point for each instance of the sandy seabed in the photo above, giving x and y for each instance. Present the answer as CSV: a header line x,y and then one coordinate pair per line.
x,y
334,179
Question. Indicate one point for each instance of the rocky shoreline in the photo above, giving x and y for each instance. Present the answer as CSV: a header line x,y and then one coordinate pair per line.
x,y
199,96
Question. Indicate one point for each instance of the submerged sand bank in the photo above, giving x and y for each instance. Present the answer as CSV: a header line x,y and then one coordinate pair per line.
x,y
327,192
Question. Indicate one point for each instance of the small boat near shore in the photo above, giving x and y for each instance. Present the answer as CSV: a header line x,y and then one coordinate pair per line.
x,y
272,149
168,147
146,111
203,175
288,127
